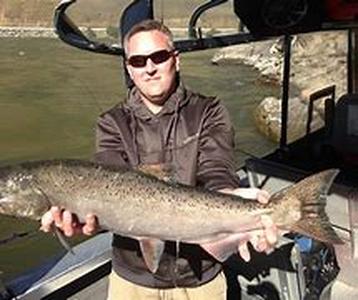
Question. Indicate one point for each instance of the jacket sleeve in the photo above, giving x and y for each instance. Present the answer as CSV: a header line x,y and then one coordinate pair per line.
x,y
215,168
109,144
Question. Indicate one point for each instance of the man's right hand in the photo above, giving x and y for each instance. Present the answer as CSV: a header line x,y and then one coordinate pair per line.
x,y
68,222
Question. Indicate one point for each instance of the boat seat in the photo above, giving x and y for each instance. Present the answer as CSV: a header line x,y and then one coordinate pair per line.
x,y
271,175
343,134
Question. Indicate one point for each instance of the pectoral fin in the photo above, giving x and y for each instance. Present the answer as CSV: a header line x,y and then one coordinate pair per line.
x,y
221,249
152,251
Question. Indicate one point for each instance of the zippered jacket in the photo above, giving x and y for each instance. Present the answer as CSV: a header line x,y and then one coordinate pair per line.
x,y
192,140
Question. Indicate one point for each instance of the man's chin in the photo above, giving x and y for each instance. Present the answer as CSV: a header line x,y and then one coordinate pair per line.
x,y
158,98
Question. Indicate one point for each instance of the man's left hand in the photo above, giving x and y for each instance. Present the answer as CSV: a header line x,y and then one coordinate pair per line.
x,y
262,240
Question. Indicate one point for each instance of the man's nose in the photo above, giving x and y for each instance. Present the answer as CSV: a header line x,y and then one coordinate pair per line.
x,y
150,66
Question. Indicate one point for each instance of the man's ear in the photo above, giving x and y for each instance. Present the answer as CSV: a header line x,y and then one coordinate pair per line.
x,y
177,60
129,71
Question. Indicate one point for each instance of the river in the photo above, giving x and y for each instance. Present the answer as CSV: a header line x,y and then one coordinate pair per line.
x,y
50,97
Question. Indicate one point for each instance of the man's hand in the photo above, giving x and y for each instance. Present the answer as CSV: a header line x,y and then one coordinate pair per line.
x,y
262,240
68,222
249,193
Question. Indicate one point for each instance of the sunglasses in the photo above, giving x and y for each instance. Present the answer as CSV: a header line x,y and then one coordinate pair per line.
x,y
158,57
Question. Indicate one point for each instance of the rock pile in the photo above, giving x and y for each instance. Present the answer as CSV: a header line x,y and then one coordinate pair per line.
x,y
26,32
318,60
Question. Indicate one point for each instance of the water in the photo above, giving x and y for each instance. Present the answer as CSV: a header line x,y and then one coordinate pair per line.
x,y
50,97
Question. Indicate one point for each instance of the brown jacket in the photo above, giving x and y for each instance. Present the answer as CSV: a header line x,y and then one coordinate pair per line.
x,y
192,139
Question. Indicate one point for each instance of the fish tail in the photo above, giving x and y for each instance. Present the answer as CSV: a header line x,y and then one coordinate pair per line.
x,y
314,221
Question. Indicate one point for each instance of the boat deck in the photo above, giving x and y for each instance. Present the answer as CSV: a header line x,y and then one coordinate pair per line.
x,y
97,290
275,276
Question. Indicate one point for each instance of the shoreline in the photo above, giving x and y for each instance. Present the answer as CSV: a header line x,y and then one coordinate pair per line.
x,y
318,60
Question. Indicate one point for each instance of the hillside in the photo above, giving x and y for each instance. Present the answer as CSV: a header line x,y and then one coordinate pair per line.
x,y
99,13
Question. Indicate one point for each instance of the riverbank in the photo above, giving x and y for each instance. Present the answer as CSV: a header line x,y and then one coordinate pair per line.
x,y
27,32
96,32
318,60
50,99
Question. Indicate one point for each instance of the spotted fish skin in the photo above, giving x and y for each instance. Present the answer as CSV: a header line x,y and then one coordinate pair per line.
x,y
139,205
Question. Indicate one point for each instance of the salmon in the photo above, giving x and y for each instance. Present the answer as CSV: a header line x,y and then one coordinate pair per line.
x,y
143,207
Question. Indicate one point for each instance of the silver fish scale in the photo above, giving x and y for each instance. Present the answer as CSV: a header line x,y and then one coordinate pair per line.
x,y
125,201
139,205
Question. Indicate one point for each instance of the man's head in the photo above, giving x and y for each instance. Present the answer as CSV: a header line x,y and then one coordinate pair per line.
x,y
151,60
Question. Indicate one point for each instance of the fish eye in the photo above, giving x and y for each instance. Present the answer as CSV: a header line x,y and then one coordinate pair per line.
x,y
23,182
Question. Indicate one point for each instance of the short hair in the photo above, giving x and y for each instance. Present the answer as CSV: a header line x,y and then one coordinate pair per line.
x,y
149,25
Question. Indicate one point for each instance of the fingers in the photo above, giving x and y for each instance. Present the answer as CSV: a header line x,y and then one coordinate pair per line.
x,y
261,240
68,222
247,193
57,216
263,196
258,242
244,251
64,220
47,221
262,245
270,230
264,240
91,225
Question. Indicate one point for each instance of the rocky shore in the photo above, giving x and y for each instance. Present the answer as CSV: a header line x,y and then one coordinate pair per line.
x,y
27,32
318,60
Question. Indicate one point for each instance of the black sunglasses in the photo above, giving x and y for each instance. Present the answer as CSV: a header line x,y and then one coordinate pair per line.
x,y
157,57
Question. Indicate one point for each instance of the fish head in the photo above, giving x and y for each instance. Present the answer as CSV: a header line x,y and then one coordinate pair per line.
x,y
20,198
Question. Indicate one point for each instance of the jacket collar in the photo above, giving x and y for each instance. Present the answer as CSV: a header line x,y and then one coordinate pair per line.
x,y
176,100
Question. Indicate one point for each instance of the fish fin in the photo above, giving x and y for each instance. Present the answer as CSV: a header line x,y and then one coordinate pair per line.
x,y
318,228
314,221
46,197
152,250
156,170
221,249
58,233
61,237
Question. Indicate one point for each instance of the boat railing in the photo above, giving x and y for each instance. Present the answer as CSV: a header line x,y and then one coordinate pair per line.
x,y
65,275
328,95
353,220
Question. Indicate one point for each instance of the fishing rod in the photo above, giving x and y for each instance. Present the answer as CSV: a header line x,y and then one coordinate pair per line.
x,y
18,236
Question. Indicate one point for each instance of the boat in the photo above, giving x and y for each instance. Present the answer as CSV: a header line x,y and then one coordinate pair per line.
x,y
300,268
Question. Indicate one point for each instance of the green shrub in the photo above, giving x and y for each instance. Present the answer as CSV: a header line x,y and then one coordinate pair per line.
x,y
212,32
90,33
112,31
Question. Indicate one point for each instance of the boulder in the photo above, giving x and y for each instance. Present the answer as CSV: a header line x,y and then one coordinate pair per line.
x,y
318,60
268,118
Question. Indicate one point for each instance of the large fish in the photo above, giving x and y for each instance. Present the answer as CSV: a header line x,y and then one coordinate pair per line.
x,y
141,206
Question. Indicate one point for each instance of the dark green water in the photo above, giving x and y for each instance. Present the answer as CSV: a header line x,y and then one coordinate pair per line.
x,y
51,95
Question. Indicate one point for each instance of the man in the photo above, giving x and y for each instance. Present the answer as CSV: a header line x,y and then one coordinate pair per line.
x,y
185,135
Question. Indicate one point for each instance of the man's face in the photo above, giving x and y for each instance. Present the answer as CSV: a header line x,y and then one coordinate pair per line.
x,y
155,81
